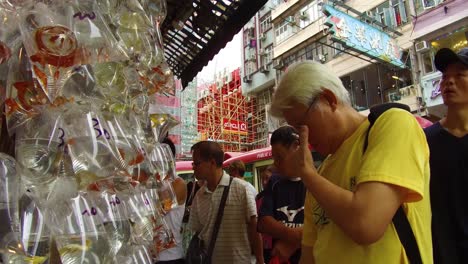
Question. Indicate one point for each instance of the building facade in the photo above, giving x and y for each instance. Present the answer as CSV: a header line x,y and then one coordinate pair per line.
x,y
382,50
438,24
188,118
259,75
225,115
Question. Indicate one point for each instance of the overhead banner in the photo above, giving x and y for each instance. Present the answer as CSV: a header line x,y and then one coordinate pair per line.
x,y
234,126
362,37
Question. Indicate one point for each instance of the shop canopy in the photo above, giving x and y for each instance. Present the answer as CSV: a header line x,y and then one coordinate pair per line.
x,y
194,31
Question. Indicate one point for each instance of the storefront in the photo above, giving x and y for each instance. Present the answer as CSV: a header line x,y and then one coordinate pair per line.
x,y
444,26
378,83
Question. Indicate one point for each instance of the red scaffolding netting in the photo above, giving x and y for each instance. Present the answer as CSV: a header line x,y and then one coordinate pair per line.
x,y
228,117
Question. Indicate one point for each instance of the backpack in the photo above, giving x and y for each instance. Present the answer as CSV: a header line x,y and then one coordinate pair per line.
x,y
402,225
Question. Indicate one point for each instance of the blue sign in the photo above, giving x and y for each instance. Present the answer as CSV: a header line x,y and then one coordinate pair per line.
x,y
362,37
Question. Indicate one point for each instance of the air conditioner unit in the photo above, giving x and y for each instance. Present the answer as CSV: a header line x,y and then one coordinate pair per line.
x,y
247,79
277,64
262,36
304,16
291,20
261,51
265,68
322,58
422,46
252,57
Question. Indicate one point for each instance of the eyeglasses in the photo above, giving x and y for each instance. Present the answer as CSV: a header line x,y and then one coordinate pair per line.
x,y
308,109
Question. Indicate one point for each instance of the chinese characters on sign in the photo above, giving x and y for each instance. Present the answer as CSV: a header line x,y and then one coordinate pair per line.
x,y
362,37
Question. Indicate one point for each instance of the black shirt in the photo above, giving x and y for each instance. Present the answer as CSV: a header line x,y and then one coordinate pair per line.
x,y
449,194
284,201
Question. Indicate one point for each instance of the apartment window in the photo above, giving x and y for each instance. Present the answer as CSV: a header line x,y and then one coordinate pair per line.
x,y
427,62
250,67
309,14
422,5
267,55
338,48
316,50
309,53
399,9
283,31
391,13
249,34
265,24
429,3
289,59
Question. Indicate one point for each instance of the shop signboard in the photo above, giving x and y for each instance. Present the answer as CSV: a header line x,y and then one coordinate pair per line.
x,y
431,89
234,126
362,37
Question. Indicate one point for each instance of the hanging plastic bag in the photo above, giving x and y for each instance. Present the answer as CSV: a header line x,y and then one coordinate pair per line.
x,y
115,219
34,236
39,146
91,146
9,186
161,123
77,224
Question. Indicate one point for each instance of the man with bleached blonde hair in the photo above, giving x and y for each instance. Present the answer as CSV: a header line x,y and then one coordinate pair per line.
x,y
237,170
353,197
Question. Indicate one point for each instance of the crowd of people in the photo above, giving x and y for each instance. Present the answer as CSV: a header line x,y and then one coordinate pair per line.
x,y
387,192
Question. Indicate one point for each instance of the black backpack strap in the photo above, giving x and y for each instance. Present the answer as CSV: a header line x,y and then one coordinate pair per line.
x,y
222,204
400,221
406,235
376,112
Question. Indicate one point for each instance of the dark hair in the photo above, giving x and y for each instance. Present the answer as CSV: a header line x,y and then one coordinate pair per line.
x,y
168,141
285,135
209,150
239,166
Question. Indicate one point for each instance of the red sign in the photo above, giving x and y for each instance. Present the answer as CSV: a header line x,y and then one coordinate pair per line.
x,y
251,156
234,126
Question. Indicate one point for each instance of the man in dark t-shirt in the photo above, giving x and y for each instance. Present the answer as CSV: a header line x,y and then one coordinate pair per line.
x,y
448,144
281,214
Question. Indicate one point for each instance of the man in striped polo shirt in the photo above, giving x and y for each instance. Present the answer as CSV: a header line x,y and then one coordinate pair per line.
x,y
237,236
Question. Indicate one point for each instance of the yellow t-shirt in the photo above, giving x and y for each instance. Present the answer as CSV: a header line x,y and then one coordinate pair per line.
x,y
398,154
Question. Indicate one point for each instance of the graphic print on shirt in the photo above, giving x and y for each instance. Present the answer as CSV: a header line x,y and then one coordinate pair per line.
x,y
290,214
284,201
320,218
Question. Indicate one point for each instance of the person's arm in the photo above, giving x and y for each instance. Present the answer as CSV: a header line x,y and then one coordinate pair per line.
x,y
284,249
180,189
307,255
268,225
372,202
255,239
